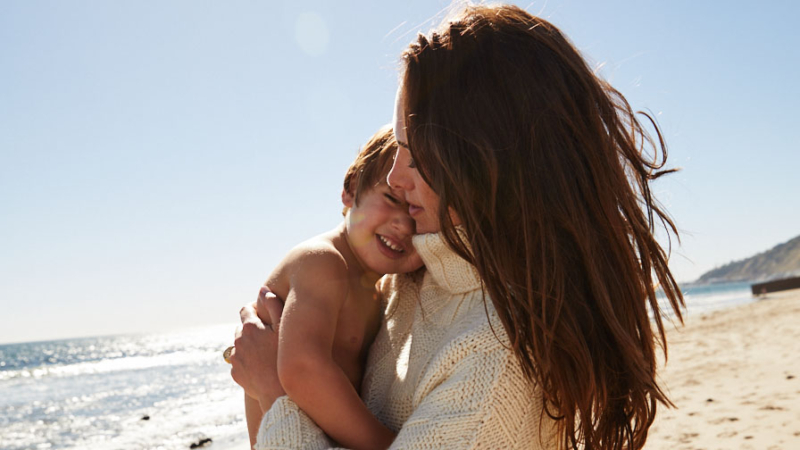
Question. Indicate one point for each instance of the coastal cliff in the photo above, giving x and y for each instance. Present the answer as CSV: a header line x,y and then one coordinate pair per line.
x,y
781,261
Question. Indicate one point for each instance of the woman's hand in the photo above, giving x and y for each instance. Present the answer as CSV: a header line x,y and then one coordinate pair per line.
x,y
255,355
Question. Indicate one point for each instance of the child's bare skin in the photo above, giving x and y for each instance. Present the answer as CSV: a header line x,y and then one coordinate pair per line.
x,y
330,305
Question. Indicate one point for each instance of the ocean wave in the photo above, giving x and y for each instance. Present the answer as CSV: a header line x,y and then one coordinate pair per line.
x,y
718,299
704,298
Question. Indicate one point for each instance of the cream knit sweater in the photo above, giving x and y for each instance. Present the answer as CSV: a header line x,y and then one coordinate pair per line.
x,y
437,373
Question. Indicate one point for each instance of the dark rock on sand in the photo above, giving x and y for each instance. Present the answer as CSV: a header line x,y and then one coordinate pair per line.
x,y
201,443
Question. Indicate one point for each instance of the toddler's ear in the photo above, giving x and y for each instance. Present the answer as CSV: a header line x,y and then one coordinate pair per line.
x,y
347,198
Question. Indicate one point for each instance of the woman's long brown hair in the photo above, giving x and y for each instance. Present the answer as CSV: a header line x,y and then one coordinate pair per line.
x,y
549,170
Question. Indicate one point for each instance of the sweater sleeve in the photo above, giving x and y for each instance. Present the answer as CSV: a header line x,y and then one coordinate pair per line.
x,y
286,427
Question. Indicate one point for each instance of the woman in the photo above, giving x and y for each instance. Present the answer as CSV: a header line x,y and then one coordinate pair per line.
x,y
528,178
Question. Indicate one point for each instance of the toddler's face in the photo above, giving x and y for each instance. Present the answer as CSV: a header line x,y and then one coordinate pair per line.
x,y
379,229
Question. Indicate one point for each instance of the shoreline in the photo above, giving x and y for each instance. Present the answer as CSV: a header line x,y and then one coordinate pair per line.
x,y
734,377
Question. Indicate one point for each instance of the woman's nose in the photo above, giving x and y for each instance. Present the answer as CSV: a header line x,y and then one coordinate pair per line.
x,y
399,176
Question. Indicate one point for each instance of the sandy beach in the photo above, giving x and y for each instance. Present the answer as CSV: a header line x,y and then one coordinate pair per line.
x,y
734,376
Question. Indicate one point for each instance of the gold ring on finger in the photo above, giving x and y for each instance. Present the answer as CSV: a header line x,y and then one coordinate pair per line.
x,y
226,355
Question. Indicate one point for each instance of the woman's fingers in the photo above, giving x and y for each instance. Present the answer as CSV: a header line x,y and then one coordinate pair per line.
x,y
248,314
269,307
245,346
254,360
274,307
261,309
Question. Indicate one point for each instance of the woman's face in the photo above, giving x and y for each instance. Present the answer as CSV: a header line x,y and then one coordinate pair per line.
x,y
423,203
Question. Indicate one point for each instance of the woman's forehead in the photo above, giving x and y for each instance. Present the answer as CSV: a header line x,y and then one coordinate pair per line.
x,y
398,118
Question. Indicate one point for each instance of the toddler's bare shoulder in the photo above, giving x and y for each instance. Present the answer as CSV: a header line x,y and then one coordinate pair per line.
x,y
317,257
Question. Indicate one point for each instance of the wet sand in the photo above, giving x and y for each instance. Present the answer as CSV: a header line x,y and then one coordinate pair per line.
x,y
734,376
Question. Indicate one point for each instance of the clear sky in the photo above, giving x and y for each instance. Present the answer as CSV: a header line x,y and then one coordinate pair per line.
x,y
157,159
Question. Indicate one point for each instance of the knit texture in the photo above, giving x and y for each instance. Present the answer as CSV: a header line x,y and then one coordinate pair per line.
x,y
439,373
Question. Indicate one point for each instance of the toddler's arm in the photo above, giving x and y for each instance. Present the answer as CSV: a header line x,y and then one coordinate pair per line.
x,y
306,368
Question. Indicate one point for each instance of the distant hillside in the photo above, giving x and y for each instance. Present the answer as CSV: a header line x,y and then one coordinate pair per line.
x,y
781,261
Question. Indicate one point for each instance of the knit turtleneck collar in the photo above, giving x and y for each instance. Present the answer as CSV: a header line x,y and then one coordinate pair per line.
x,y
451,272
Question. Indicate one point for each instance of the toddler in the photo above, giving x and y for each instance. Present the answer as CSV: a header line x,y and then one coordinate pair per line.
x,y
332,310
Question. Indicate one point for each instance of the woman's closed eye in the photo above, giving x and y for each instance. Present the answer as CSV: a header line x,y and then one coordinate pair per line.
x,y
402,145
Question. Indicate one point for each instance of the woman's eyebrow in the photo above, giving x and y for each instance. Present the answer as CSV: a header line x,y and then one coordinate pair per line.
x,y
403,144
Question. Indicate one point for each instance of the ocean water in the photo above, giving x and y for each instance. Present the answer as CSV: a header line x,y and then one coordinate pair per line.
x,y
92,393
702,298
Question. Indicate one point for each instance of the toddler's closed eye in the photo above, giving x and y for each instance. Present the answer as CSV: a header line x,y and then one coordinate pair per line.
x,y
392,199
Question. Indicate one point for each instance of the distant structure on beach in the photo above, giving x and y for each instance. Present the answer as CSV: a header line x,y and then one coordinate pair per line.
x,y
783,284
781,261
